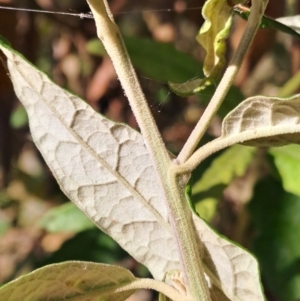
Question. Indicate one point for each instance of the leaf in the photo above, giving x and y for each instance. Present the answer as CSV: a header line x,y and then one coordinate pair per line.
x,y
292,22
213,34
106,170
230,164
65,218
190,87
290,87
212,37
208,189
289,25
71,281
207,207
276,216
233,271
264,121
102,166
287,161
18,118
156,60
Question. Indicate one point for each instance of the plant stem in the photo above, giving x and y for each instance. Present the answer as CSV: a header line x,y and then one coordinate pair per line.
x,y
256,13
159,286
187,239
179,213
222,142
108,32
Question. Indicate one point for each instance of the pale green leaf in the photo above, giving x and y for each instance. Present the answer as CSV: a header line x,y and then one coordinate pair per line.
x,y
65,218
231,164
264,121
106,170
287,161
84,281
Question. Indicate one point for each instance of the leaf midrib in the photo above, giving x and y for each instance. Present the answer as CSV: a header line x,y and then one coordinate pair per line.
x,y
86,147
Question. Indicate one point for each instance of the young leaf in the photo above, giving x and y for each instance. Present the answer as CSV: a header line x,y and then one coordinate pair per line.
x,y
229,165
213,34
287,161
106,170
102,166
264,121
208,189
71,281
212,37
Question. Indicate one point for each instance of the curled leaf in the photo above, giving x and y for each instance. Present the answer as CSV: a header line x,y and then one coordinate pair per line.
x,y
212,37
264,121
213,34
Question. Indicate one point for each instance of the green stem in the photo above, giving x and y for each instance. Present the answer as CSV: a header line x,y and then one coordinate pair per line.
x,y
256,13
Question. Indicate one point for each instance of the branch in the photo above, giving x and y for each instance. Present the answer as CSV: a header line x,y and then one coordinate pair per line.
x,y
256,13
108,32
180,216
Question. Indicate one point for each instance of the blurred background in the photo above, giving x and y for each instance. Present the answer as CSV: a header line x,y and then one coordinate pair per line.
x,y
250,195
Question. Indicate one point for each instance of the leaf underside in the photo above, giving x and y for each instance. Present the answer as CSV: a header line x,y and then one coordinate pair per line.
x,y
106,170
102,166
264,121
70,281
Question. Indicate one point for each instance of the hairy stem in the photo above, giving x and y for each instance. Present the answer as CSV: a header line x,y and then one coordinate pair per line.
x,y
223,142
179,213
187,239
256,13
159,286
108,32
